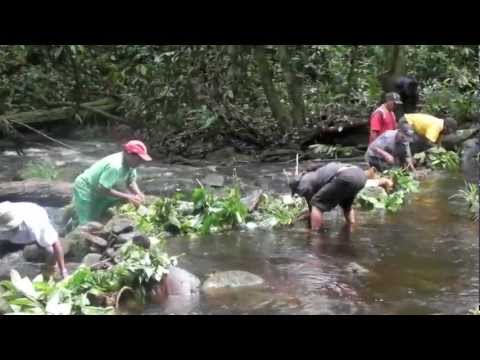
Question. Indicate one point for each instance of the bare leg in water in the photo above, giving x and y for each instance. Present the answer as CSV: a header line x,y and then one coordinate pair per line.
x,y
349,215
316,219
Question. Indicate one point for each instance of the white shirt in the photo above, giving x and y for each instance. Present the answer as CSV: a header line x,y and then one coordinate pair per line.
x,y
35,226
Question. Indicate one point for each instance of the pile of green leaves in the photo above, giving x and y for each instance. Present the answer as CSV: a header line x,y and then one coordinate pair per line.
x,y
439,159
44,170
282,210
404,184
138,268
471,196
206,213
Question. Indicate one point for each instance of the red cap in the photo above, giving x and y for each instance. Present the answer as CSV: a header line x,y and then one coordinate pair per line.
x,y
138,148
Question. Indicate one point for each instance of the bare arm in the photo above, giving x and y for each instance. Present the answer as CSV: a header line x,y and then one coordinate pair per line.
x,y
133,187
124,196
385,155
58,254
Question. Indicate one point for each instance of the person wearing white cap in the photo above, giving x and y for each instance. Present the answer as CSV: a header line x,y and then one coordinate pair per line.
x,y
25,223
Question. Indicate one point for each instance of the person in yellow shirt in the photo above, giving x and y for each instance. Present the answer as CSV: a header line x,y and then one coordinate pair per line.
x,y
428,130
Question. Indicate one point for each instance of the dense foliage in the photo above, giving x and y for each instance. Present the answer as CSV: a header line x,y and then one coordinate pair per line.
x,y
137,270
233,93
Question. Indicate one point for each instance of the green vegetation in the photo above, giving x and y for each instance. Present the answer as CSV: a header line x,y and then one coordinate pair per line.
x,y
255,94
439,159
138,269
471,196
44,170
378,199
207,213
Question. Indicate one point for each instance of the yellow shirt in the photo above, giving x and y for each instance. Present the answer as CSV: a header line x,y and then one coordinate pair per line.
x,y
426,125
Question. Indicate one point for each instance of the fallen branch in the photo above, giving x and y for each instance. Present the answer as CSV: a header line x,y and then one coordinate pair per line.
x,y
42,134
61,113
44,193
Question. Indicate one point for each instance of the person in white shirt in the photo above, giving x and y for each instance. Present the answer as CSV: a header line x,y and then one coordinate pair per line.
x,y
25,223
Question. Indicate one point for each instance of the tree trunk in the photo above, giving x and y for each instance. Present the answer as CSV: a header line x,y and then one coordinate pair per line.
x,y
351,72
234,72
278,109
396,64
60,113
394,56
294,85
42,192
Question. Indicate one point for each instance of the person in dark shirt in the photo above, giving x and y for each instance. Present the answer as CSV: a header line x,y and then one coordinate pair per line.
x,y
390,149
325,187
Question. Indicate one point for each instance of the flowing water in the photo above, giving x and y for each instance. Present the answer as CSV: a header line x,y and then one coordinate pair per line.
x,y
422,260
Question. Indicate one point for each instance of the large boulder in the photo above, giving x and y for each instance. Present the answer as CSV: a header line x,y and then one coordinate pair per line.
x,y
178,282
226,280
177,293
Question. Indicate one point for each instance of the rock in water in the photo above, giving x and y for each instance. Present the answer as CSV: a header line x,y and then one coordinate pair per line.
x,y
120,225
214,180
126,237
79,243
34,253
177,293
91,259
17,261
95,240
231,280
91,227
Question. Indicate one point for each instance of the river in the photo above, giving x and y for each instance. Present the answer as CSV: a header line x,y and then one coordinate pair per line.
x,y
422,260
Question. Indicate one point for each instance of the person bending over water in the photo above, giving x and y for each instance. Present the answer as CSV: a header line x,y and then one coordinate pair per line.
x,y
95,189
325,187
25,223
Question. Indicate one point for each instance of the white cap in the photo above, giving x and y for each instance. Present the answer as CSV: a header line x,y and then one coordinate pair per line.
x,y
8,218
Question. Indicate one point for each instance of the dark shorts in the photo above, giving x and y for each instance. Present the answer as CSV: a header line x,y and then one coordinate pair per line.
x,y
341,190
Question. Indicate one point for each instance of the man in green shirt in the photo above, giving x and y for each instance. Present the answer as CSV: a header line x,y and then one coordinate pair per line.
x,y
95,190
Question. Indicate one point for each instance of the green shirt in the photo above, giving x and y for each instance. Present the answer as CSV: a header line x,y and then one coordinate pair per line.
x,y
110,172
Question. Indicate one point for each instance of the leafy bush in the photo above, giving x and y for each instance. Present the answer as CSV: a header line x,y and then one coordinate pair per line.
x,y
137,270
439,159
471,196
